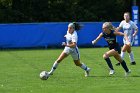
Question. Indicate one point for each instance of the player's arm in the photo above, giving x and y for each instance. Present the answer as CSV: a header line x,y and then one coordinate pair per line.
x,y
98,38
118,29
118,33
122,34
135,27
135,33
71,45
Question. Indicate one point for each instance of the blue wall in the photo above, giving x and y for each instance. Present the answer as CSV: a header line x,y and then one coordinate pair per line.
x,y
47,34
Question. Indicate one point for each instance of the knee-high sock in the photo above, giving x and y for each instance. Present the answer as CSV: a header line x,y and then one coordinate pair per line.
x,y
54,67
84,67
131,56
124,66
108,61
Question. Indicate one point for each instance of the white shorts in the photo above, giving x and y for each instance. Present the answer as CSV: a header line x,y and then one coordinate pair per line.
x,y
131,40
74,52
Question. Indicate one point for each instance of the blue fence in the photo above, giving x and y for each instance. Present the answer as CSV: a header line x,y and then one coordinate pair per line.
x,y
48,34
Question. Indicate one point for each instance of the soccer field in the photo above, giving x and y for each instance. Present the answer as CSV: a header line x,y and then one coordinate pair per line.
x,y
19,72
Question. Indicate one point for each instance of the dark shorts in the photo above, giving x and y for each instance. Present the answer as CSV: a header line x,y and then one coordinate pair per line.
x,y
117,48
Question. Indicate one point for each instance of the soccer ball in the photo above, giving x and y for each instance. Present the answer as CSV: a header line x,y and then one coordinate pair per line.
x,y
44,75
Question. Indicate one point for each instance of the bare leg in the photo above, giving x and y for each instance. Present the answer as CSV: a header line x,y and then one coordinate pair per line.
x,y
60,58
106,57
83,66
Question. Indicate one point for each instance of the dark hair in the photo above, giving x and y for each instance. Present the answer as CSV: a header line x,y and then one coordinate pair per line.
x,y
127,13
77,26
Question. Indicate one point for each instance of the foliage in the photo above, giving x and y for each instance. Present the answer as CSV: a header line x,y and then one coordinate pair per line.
x,y
18,11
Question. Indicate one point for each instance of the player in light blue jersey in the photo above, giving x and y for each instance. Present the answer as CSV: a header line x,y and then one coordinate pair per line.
x,y
131,29
71,49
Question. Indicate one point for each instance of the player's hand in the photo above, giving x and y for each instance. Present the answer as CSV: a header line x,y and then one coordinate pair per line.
x,y
65,36
94,42
64,44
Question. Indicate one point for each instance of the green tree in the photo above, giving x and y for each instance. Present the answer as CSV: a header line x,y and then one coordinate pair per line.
x,y
19,11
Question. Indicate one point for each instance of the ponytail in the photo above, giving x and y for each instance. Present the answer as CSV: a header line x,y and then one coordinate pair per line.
x,y
77,26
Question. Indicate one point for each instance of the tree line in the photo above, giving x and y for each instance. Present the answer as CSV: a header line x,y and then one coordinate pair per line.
x,y
23,11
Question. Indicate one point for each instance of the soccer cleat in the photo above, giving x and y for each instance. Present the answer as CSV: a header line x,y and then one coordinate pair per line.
x,y
133,63
127,73
111,72
87,72
118,64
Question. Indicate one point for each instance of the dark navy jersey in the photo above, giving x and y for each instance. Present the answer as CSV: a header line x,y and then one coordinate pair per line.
x,y
111,39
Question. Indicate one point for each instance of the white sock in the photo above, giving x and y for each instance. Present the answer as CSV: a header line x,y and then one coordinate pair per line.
x,y
131,56
53,67
122,54
84,67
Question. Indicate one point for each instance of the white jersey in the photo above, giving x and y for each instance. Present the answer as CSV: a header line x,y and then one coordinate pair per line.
x,y
74,52
128,28
71,37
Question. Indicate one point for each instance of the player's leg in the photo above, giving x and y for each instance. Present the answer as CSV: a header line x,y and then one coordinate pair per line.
x,y
108,61
76,57
124,49
122,62
60,58
131,56
83,66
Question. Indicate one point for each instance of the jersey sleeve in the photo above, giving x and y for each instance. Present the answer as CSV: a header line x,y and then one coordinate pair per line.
x,y
121,24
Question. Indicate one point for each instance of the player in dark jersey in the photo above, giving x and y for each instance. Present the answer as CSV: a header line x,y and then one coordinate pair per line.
x,y
114,49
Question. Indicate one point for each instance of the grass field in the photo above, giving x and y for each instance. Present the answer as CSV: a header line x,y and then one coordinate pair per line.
x,y
19,73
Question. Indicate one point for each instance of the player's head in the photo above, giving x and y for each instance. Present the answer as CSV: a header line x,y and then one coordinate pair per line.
x,y
107,26
73,26
126,16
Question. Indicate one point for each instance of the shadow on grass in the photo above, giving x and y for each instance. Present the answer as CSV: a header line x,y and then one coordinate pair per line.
x,y
112,76
101,76
135,76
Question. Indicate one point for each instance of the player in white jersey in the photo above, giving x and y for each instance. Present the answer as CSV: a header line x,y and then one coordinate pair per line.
x,y
131,29
71,49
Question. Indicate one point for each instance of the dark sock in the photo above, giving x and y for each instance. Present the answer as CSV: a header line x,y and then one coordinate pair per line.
x,y
124,66
109,63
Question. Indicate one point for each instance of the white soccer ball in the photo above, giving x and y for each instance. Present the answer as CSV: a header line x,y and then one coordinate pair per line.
x,y
44,75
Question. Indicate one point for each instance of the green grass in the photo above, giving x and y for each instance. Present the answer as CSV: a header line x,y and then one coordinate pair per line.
x,y
19,73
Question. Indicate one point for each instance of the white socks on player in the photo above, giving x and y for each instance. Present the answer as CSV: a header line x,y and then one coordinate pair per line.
x,y
53,67
131,56
122,54
84,67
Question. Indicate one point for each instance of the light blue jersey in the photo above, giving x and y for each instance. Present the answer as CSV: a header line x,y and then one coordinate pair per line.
x,y
129,29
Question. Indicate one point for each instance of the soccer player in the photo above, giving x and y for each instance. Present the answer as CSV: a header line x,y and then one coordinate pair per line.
x,y
71,49
128,27
110,37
